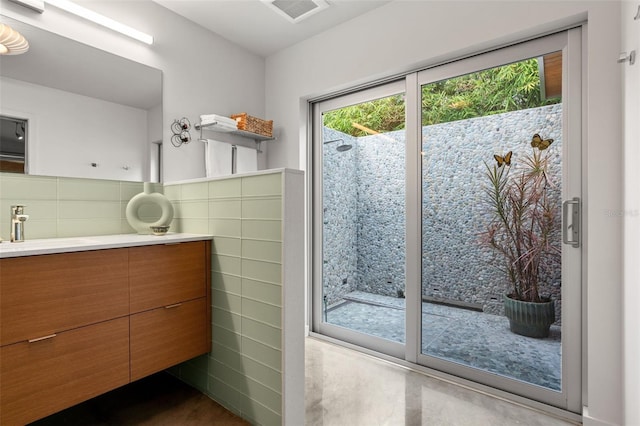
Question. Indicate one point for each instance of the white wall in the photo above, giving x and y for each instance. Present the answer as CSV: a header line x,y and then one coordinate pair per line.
x,y
109,134
406,35
631,97
202,72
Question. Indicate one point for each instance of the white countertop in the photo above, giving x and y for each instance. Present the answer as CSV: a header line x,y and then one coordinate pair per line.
x,y
99,242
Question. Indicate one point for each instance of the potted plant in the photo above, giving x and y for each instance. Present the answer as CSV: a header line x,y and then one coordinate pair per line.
x,y
521,232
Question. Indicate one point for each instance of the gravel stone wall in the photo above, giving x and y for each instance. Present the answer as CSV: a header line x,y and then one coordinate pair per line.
x,y
340,208
454,265
381,213
364,217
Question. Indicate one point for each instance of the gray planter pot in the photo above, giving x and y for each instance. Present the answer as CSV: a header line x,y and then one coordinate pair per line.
x,y
528,318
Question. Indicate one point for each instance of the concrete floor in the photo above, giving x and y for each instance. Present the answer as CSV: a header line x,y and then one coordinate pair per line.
x,y
343,387
346,387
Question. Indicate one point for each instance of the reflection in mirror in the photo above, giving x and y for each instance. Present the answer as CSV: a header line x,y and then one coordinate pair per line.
x,y
13,138
90,113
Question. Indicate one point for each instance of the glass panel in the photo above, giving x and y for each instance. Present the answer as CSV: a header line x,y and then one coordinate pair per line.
x,y
484,239
363,250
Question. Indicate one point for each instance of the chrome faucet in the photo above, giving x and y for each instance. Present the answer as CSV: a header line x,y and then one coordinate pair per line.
x,y
18,218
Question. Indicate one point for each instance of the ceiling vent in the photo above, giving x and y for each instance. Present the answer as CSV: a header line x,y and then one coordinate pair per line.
x,y
296,10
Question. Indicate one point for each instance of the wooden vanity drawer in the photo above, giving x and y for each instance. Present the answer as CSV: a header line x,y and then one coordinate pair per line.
x,y
46,294
161,275
169,335
49,375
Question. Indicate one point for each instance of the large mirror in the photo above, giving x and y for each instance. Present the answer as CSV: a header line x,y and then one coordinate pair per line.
x,y
86,112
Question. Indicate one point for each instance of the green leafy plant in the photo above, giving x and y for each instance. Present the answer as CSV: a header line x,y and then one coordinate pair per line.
x,y
497,90
523,222
382,115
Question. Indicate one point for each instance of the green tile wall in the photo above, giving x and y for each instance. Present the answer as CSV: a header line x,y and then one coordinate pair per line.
x,y
243,372
244,214
67,207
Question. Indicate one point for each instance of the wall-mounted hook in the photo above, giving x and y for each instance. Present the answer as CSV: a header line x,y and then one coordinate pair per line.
x,y
180,125
180,129
631,57
637,17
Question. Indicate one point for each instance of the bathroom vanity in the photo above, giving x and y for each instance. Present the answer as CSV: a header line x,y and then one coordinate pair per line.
x,y
82,316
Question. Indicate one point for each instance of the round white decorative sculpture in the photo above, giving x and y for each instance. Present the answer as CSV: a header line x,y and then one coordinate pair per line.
x,y
148,197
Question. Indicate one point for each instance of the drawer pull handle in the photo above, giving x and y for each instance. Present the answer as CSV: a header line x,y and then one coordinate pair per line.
x,y
51,336
173,306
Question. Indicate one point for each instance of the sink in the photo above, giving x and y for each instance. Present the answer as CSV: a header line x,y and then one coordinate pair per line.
x,y
48,243
71,244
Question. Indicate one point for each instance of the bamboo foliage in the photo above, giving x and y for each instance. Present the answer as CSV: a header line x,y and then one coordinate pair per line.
x,y
510,87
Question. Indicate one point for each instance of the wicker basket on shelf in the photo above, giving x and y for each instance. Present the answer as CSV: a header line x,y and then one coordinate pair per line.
x,y
253,124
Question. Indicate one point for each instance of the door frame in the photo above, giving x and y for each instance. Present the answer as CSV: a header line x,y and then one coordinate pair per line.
x,y
374,343
570,43
569,400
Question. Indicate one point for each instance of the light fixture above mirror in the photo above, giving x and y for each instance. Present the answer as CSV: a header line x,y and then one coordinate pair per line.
x,y
89,15
99,19
11,41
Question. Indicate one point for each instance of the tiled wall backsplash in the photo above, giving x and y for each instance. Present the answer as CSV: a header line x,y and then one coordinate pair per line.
x,y
245,215
244,371
67,207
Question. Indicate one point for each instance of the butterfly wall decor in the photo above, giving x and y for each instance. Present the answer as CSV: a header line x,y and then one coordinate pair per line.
x,y
503,160
541,144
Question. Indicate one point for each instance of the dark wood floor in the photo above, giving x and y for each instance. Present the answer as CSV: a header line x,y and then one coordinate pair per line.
x,y
158,400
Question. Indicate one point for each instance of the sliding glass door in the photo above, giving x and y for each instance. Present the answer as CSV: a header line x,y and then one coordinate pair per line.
x,y
442,200
498,157
361,190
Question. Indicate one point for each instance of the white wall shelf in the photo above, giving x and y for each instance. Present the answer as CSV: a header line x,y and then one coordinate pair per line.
x,y
216,127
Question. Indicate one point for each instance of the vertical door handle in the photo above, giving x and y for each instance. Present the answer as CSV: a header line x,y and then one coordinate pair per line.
x,y
234,159
571,226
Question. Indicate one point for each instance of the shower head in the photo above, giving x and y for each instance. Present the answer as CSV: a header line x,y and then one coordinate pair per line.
x,y
342,147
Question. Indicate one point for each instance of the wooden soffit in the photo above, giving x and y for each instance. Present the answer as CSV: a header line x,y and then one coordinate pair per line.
x,y
551,75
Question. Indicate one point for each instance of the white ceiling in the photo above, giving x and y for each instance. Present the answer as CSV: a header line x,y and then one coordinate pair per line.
x,y
258,28
74,67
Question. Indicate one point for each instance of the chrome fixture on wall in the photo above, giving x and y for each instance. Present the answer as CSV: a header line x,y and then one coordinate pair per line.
x,y
631,57
18,218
